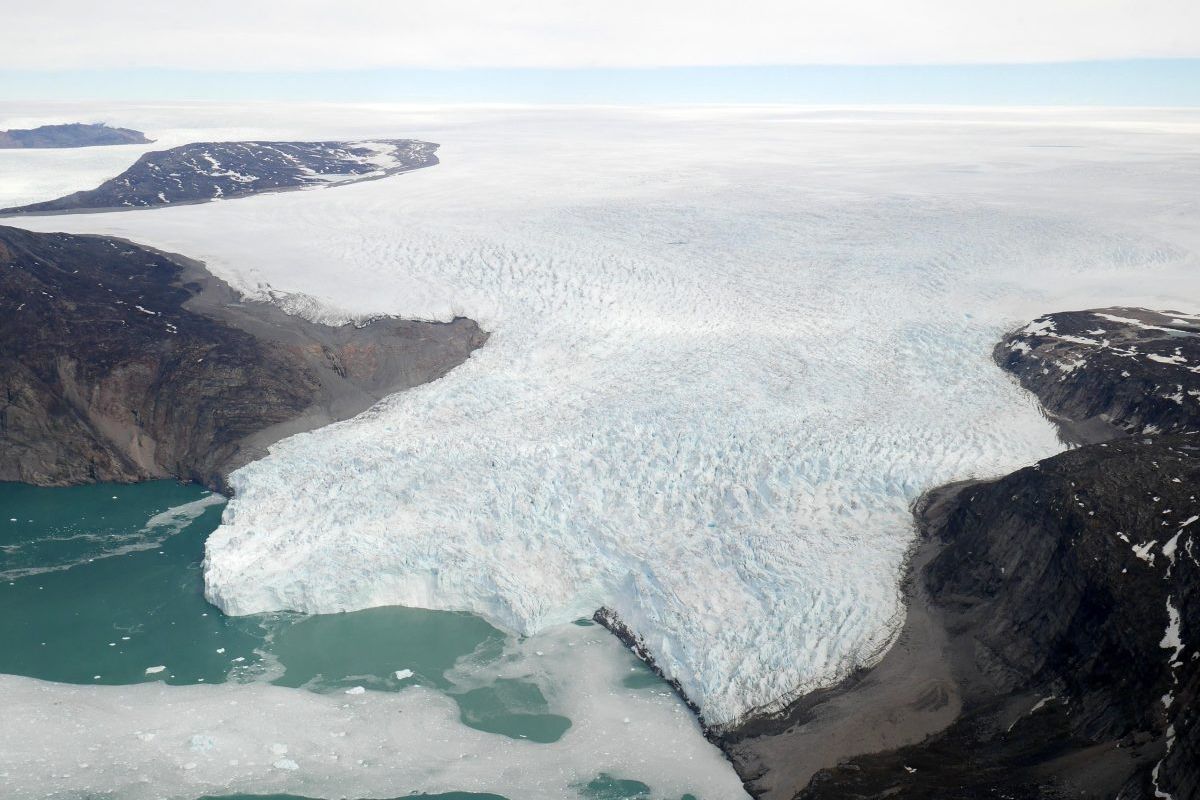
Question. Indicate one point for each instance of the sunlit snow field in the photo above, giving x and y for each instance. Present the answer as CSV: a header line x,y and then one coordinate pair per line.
x,y
729,348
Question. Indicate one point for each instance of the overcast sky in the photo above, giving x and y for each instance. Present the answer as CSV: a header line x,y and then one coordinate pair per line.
x,y
257,35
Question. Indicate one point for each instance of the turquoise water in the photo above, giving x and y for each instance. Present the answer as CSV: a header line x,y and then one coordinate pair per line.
x,y
102,585
104,597
448,796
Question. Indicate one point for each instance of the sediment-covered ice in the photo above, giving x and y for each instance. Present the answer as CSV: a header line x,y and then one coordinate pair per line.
x,y
729,348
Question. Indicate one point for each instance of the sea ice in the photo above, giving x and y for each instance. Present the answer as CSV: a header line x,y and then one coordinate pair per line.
x,y
150,741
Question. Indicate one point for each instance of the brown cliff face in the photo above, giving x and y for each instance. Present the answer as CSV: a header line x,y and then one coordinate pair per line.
x,y
120,363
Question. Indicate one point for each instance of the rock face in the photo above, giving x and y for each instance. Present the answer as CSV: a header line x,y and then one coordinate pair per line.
x,y
205,171
76,134
1069,591
119,363
1134,369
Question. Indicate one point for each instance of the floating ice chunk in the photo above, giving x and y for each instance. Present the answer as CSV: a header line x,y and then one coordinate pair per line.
x,y
179,517
201,743
155,670
355,690
402,674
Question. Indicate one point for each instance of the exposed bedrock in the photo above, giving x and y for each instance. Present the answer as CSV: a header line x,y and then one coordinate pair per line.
x,y
1051,648
204,171
1110,371
120,363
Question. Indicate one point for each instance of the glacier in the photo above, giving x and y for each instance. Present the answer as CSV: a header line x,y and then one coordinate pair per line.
x,y
730,347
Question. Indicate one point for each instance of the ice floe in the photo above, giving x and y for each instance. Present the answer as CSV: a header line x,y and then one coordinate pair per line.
x,y
155,741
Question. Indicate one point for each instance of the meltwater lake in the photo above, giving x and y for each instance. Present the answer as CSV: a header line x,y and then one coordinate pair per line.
x,y
102,585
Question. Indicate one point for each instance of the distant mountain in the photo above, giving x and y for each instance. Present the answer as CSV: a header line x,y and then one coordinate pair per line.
x,y
76,134
203,171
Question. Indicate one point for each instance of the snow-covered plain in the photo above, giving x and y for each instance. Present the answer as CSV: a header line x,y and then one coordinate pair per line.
x,y
729,348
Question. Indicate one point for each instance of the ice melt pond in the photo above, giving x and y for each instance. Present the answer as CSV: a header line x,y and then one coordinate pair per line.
x,y
102,585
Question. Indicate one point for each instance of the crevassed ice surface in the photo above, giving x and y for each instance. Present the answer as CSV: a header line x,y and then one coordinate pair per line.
x,y
729,348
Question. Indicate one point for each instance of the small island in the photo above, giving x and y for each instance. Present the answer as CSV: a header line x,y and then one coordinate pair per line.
x,y
75,134
203,171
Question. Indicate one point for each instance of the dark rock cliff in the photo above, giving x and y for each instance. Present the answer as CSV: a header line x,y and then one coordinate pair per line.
x,y
119,363
204,171
1131,368
1069,591
75,134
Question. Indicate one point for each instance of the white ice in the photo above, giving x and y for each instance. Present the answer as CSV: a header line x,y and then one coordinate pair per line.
x,y
181,742
729,348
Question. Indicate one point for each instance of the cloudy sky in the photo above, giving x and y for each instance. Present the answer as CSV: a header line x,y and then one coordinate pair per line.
x,y
258,37
308,34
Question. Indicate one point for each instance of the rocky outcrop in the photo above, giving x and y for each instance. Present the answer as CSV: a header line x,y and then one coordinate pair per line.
x,y
203,171
1067,594
75,134
1128,369
119,363
1062,584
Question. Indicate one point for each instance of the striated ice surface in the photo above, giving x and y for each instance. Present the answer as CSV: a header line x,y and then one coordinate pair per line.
x,y
729,348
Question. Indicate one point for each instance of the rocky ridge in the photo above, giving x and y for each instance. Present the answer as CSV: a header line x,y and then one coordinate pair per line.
x,y
204,171
121,363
